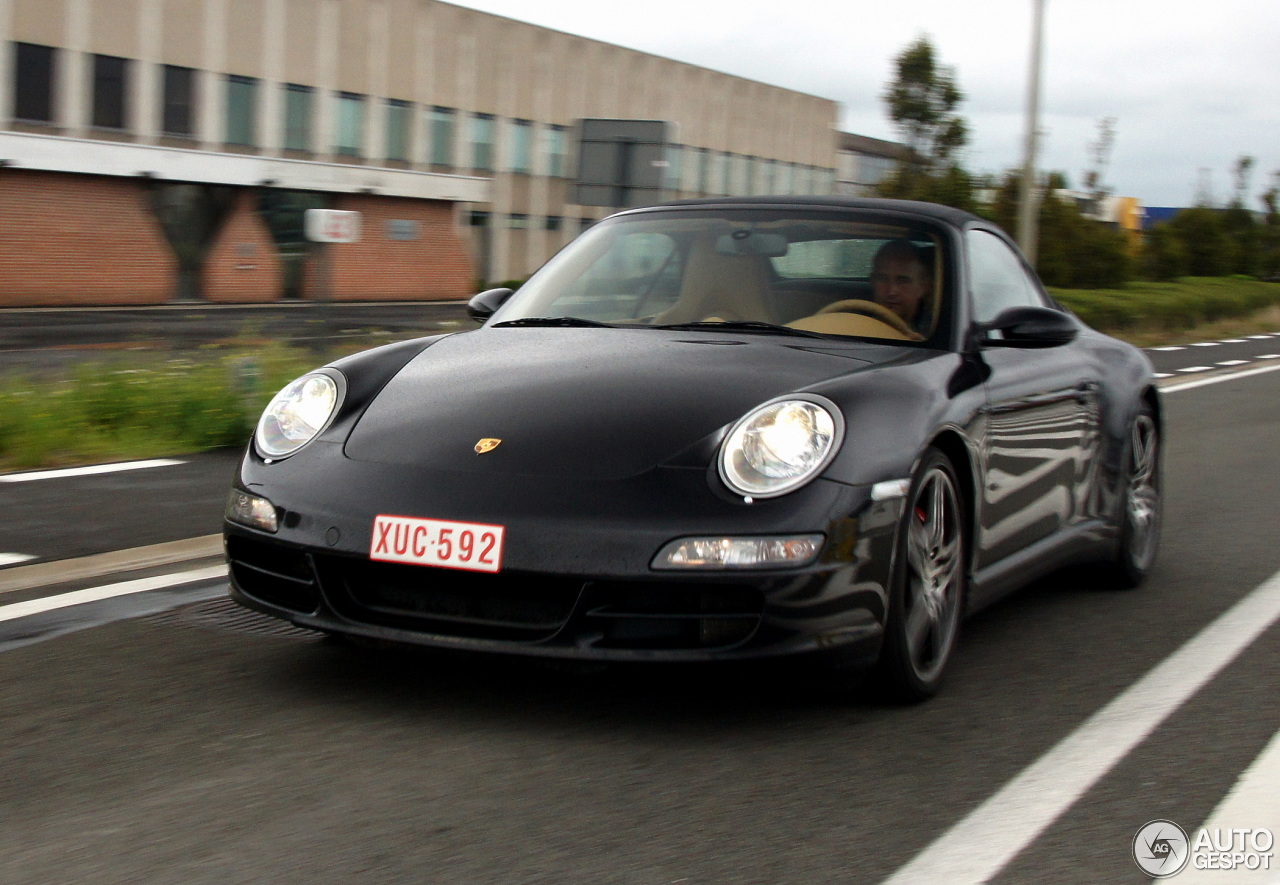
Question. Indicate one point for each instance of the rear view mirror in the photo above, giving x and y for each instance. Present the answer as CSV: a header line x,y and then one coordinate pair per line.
x,y
482,306
745,242
1029,327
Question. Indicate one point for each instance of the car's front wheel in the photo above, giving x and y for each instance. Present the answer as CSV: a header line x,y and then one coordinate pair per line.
x,y
1141,502
927,591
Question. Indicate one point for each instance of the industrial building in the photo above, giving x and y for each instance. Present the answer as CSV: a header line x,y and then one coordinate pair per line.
x,y
155,150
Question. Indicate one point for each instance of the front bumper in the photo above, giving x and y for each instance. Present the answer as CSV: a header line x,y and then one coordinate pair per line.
x,y
576,579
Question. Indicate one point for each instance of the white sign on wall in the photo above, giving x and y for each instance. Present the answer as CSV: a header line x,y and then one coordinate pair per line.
x,y
332,226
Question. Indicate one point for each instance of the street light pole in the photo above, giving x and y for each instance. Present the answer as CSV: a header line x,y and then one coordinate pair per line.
x,y
1028,208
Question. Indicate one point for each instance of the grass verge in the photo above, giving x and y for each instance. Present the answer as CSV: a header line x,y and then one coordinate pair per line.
x,y
1190,309
156,403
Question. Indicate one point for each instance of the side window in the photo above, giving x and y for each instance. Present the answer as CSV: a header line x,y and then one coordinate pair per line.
x,y
997,279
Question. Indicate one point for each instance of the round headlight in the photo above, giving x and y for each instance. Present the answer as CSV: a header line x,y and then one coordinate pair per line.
x,y
780,446
296,415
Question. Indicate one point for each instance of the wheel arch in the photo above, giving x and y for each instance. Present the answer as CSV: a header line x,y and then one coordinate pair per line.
x,y
957,451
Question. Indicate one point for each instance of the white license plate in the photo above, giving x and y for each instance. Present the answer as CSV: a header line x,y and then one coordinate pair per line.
x,y
465,545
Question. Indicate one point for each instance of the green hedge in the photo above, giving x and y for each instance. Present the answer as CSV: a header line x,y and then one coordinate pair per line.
x,y
1184,304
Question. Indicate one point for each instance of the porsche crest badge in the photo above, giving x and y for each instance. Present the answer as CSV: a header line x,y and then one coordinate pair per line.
x,y
486,445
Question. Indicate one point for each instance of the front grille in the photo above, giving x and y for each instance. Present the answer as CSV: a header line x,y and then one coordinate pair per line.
x,y
274,574
449,602
635,615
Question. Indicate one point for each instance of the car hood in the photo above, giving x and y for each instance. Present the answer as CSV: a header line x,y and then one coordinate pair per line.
x,y
592,403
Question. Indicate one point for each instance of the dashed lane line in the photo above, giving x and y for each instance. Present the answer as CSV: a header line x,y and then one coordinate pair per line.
x,y
14,558
1220,378
993,834
91,470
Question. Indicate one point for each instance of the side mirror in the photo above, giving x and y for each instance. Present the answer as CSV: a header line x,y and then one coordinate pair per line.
x,y
482,306
1029,327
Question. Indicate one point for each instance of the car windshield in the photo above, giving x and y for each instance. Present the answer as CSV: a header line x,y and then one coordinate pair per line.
x,y
816,272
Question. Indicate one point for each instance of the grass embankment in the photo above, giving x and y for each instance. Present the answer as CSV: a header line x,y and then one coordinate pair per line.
x,y
1192,309
161,404
154,405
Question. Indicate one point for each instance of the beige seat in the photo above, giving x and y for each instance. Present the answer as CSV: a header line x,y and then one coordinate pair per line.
x,y
850,324
722,287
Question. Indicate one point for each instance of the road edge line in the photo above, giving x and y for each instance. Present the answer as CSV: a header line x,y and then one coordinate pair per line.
x,y
988,838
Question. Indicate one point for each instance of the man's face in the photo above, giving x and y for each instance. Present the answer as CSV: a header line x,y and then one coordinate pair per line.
x,y
900,284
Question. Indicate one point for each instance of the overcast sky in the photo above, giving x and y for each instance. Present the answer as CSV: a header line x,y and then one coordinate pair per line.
x,y
1192,86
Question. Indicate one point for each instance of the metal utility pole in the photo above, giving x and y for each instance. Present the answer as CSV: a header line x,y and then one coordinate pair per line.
x,y
1028,205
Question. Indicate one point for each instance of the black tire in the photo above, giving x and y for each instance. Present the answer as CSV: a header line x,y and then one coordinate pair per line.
x,y
1140,503
927,589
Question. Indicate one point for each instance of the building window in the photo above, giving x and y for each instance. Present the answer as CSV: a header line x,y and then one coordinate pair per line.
x,y
554,222
108,91
704,171
242,108
441,136
521,146
297,117
179,101
557,152
398,116
33,83
482,142
782,178
518,221
584,223
765,172
671,172
350,125
478,219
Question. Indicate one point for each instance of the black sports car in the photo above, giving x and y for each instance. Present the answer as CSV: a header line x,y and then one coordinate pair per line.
x,y
715,429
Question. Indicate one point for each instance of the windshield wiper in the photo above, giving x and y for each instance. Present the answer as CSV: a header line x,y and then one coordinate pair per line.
x,y
553,321
743,326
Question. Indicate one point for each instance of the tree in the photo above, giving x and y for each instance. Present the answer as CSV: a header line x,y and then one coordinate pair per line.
x,y
922,102
1075,252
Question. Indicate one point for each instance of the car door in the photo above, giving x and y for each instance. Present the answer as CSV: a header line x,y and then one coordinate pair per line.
x,y
1041,434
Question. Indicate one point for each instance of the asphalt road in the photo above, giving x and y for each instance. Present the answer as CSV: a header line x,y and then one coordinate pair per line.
x,y
187,744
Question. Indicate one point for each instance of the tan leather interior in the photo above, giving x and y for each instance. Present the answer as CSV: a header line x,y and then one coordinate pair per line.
x,y
727,287
850,324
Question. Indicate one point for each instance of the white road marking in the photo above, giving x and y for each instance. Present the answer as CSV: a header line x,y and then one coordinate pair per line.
x,y
1164,375
980,845
109,591
1232,341
1197,369
1205,344
1170,348
1253,802
1267,356
1218,379
14,558
1258,337
1233,362
88,471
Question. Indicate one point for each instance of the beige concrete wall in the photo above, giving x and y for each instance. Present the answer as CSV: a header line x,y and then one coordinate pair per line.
x,y
430,53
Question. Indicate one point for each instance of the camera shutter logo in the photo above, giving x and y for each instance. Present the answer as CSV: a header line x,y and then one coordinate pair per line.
x,y
1161,849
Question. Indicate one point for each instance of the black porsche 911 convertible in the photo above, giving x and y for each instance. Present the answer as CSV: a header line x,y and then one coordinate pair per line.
x,y
712,430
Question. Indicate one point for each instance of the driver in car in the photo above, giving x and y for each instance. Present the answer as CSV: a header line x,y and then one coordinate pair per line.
x,y
902,279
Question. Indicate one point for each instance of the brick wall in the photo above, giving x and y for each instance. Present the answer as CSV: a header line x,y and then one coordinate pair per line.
x,y
79,239
434,264
243,264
